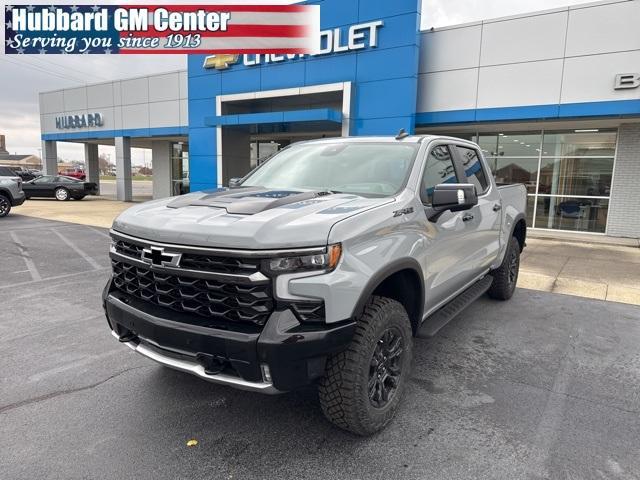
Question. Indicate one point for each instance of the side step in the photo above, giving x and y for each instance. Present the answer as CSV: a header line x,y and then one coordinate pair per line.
x,y
440,318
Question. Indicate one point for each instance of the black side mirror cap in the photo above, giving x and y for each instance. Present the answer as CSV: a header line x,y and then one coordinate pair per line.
x,y
235,182
453,197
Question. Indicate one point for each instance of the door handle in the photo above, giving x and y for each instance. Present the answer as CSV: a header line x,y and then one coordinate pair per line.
x,y
467,217
497,207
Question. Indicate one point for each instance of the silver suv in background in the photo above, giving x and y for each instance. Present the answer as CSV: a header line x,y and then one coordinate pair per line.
x,y
319,267
11,194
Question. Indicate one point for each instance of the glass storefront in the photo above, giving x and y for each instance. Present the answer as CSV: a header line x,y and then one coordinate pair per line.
x,y
567,173
179,168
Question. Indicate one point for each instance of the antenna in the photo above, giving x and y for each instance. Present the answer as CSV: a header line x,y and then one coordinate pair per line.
x,y
402,134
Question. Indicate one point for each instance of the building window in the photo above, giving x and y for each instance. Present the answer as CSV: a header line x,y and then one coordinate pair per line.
x,y
567,173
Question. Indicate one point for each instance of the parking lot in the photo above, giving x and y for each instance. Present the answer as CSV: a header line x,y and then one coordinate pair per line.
x,y
543,386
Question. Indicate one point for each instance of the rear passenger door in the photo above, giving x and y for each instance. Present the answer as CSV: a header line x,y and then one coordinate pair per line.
x,y
482,222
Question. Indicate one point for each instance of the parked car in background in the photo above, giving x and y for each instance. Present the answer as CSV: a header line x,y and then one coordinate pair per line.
x,y
73,172
8,173
59,187
21,172
11,194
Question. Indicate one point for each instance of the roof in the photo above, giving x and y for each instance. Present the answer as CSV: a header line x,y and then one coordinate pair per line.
x,y
13,158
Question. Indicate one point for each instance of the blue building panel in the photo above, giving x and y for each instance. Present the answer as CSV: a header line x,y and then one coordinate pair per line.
x,y
202,141
332,69
384,79
285,74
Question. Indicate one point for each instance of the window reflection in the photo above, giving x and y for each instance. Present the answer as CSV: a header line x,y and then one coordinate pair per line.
x,y
580,144
576,176
570,213
516,170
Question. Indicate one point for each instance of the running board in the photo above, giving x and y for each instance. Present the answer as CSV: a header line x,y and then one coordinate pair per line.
x,y
439,319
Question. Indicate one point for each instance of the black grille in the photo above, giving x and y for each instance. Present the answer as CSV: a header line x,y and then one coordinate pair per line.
x,y
207,298
192,261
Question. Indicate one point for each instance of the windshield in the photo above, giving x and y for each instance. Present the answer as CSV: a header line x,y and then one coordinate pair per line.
x,y
377,169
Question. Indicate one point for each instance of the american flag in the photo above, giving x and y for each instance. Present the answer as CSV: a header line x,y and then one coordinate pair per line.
x,y
277,29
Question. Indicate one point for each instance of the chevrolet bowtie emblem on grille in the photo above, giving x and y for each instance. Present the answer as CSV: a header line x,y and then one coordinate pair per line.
x,y
157,256
220,61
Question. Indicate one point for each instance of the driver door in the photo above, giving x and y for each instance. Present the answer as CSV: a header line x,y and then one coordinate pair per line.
x,y
445,259
42,187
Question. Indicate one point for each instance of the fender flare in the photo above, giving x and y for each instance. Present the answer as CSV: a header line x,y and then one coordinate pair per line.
x,y
381,275
516,220
6,193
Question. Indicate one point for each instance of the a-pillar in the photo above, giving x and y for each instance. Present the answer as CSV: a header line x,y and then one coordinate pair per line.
x,y
123,169
92,163
50,157
161,165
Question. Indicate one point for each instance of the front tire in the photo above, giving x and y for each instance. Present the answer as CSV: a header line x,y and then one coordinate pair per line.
x,y
363,385
5,206
505,276
62,194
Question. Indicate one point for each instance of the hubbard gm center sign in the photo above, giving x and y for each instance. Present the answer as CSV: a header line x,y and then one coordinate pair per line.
x,y
112,29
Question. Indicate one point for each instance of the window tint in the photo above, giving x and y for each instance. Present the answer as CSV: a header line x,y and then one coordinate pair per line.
x,y
473,169
439,169
6,172
45,179
65,180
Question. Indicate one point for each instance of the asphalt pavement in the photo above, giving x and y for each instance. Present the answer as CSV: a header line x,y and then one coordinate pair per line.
x,y
542,386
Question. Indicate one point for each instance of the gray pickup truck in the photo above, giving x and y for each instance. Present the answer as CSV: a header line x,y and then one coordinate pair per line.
x,y
318,267
11,193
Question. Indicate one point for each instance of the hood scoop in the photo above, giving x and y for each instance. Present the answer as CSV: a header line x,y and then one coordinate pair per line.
x,y
244,201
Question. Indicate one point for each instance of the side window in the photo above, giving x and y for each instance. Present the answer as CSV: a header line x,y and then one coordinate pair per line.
x,y
45,179
473,169
439,169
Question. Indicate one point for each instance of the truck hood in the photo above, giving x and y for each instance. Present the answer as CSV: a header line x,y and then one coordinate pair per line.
x,y
244,218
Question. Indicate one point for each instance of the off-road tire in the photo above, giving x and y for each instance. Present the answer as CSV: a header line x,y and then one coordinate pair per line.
x,y
62,194
5,205
344,389
505,276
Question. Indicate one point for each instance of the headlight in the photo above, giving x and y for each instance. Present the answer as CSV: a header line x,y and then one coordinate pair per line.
x,y
320,261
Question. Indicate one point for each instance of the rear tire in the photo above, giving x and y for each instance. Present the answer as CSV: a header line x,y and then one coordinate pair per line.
x,y
5,206
363,385
62,194
505,276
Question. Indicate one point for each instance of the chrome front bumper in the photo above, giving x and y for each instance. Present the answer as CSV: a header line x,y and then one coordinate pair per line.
x,y
198,370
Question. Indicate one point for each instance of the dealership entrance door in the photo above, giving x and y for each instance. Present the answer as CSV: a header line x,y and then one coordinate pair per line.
x,y
263,147
253,126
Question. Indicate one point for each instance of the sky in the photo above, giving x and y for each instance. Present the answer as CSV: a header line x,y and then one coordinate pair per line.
x,y
22,77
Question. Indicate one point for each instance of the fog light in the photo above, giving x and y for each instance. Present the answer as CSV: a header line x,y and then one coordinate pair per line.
x,y
266,373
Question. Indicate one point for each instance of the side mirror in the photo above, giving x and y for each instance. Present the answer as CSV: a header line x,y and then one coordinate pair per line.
x,y
454,197
235,182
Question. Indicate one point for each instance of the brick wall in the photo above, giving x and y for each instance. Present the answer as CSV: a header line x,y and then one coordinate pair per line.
x,y
624,207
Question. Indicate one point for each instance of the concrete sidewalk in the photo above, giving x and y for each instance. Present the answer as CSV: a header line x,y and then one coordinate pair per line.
x,y
604,272
94,211
567,266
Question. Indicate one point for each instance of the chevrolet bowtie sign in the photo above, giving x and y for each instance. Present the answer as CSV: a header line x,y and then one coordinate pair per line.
x,y
356,37
220,61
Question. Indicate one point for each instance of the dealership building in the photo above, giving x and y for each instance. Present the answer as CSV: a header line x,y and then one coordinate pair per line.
x,y
552,97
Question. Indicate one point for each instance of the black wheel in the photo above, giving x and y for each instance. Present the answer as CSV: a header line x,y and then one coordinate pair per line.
x,y
79,197
505,277
62,194
5,206
363,385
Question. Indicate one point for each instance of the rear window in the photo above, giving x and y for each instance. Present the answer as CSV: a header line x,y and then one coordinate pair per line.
x,y
7,172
